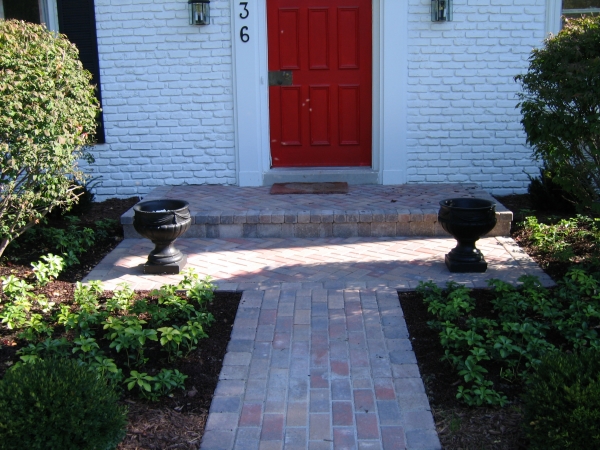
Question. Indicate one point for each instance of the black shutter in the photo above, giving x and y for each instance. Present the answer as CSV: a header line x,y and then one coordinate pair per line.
x,y
76,19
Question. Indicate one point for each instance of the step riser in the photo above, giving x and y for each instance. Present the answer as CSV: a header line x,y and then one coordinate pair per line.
x,y
313,175
320,230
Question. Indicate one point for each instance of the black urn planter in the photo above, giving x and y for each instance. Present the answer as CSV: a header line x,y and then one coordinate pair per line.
x,y
467,219
163,221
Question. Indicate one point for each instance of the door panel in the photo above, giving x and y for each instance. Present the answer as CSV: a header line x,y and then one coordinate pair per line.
x,y
319,115
291,128
349,114
289,39
324,117
348,34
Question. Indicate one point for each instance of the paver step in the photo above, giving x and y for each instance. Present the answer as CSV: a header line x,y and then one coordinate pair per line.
x,y
366,211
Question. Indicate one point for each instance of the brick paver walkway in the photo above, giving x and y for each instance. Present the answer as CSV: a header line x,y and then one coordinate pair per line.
x,y
320,356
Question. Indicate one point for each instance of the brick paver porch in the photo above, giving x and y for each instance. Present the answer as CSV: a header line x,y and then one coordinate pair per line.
x,y
319,356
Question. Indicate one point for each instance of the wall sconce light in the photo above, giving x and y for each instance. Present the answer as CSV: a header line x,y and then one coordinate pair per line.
x,y
199,12
441,10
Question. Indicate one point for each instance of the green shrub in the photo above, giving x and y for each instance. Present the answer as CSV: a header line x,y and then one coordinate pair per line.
x,y
545,194
58,404
562,403
47,117
560,103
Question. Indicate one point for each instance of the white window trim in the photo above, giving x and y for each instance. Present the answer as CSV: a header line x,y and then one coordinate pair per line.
x,y
581,11
553,16
554,12
48,13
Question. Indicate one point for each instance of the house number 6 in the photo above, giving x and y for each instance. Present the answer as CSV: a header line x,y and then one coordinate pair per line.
x,y
244,36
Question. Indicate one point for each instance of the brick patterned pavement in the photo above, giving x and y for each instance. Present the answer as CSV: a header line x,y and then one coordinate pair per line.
x,y
319,356
331,263
214,199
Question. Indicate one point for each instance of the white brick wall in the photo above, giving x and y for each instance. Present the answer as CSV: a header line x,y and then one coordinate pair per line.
x,y
167,97
168,102
462,121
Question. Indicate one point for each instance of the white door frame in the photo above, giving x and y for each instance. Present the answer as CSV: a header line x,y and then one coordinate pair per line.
x,y
250,90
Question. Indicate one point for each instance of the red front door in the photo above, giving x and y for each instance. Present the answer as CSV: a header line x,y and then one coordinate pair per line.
x,y
320,89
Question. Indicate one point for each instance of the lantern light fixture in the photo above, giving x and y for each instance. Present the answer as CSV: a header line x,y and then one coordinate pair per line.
x,y
441,10
199,12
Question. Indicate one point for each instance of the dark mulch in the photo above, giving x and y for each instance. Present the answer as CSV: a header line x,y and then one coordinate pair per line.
x,y
111,209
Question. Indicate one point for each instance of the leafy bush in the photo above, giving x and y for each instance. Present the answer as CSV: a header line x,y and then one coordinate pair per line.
x,y
47,115
70,242
58,404
560,103
562,403
85,200
546,194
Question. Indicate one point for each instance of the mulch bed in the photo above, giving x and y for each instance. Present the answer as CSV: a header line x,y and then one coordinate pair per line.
x,y
175,422
522,206
178,422
459,426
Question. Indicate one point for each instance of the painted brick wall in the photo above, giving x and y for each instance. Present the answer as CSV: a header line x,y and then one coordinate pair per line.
x,y
462,121
167,97
168,104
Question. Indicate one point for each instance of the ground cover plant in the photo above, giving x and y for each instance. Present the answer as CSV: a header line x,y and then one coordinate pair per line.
x,y
526,324
155,420
110,335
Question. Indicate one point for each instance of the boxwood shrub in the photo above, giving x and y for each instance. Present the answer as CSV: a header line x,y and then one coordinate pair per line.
x,y
58,404
562,403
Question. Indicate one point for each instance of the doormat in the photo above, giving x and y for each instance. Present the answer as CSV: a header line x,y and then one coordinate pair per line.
x,y
309,188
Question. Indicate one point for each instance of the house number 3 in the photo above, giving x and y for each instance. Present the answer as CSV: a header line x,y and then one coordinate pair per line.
x,y
244,36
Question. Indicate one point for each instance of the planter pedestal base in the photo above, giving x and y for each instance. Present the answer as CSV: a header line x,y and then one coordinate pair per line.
x,y
465,267
173,268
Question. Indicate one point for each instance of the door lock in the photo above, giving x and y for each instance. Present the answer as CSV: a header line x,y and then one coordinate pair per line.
x,y
281,78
